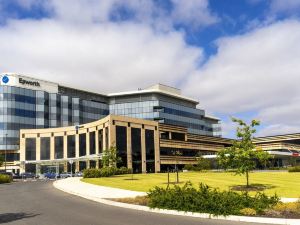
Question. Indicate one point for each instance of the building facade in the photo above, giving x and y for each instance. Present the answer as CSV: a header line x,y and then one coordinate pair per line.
x,y
29,103
143,145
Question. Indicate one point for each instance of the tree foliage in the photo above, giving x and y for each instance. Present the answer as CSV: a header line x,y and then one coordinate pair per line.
x,y
1,160
242,154
110,158
203,164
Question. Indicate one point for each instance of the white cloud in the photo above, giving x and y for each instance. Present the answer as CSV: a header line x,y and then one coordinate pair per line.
x,y
256,71
284,6
193,12
103,57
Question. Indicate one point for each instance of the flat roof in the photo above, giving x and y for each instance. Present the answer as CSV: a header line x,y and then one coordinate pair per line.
x,y
154,91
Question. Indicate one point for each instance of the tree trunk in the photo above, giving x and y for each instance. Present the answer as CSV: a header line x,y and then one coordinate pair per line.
x,y
247,177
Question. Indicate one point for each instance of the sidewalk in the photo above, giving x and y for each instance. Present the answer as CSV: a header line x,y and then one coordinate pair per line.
x,y
100,194
75,186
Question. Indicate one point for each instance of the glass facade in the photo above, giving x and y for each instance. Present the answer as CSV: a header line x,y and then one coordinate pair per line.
x,y
165,109
59,147
136,150
30,153
150,151
71,146
121,145
25,108
82,144
92,143
22,108
45,148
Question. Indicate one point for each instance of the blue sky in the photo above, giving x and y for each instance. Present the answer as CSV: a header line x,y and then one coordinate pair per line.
x,y
239,58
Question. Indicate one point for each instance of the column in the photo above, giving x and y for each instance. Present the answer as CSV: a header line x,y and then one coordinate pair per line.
x,y
87,143
129,149
65,155
77,146
97,164
88,164
97,141
156,151
65,167
104,138
38,149
76,166
112,135
143,145
22,148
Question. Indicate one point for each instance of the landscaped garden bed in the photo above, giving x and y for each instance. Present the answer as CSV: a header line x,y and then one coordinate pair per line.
x,y
212,201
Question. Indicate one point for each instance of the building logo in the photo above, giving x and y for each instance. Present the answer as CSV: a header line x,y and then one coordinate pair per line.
x,y
5,79
31,83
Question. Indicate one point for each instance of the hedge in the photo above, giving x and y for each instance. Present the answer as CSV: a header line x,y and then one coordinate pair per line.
x,y
5,179
294,169
105,172
208,200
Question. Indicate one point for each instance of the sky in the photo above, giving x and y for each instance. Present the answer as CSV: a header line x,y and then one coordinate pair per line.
x,y
239,58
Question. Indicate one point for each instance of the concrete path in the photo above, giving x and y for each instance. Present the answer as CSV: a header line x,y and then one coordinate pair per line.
x,y
101,194
77,187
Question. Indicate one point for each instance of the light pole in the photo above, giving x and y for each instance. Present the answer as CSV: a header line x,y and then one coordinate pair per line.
x,y
5,150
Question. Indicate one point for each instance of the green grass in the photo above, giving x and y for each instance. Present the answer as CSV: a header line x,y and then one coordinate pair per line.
x,y
283,183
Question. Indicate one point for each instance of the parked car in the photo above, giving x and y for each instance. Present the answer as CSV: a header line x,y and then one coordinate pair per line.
x,y
79,174
65,175
28,175
50,175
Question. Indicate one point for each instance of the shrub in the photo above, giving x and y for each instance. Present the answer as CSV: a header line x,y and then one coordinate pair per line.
x,y
189,167
288,208
294,169
248,212
5,179
138,200
105,172
208,200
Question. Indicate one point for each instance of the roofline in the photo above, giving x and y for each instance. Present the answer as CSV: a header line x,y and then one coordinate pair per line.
x,y
154,91
212,117
277,135
144,91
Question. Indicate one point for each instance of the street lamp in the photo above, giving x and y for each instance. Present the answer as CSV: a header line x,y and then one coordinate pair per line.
x,y
5,150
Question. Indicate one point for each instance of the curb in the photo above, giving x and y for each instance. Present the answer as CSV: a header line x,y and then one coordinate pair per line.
x,y
180,213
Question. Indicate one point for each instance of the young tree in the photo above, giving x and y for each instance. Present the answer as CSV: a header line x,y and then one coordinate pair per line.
x,y
110,158
203,163
242,154
1,160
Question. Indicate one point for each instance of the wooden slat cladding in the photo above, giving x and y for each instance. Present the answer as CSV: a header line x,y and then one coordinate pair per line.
x,y
190,145
277,138
172,128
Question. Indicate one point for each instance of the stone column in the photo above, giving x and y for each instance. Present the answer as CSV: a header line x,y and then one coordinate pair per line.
x,y
156,151
38,149
76,166
87,143
104,138
65,154
143,145
77,146
88,164
65,167
112,135
129,149
97,141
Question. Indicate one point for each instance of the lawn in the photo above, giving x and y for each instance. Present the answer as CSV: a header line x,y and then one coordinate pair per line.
x,y
283,183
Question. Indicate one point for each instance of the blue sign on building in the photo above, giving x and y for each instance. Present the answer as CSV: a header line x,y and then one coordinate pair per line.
x,y
5,79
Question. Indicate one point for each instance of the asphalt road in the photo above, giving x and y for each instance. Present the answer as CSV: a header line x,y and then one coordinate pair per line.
x,y
39,203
